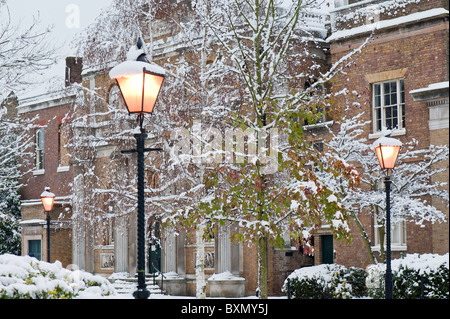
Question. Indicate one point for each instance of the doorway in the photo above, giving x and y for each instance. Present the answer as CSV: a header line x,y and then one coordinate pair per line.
x,y
327,249
34,249
154,253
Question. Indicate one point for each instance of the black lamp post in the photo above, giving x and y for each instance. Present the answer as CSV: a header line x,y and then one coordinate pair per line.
x,y
387,150
48,199
139,83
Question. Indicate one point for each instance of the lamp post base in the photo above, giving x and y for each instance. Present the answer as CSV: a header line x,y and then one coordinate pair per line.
x,y
141,294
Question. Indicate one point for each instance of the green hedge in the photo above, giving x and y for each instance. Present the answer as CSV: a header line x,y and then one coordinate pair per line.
x,y
414,277
326,282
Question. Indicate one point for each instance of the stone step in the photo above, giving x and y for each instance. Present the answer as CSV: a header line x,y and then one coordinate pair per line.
x,y
129,288
126,285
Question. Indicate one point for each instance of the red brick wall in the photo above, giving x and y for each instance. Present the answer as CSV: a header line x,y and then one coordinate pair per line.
x,y
423,50
58,181
440,233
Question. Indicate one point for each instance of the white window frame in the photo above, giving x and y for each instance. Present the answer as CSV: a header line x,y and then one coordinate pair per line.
x,y
398,233
398,237
383,106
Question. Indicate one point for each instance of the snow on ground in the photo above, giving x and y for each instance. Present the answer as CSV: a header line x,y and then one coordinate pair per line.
x,y
27,277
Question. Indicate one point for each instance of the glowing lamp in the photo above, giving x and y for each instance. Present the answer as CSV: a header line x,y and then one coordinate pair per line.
x,y
48,199
138,81
387,150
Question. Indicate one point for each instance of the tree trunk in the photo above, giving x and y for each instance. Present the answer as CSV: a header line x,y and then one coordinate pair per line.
x,y
262,267
365,238
200,264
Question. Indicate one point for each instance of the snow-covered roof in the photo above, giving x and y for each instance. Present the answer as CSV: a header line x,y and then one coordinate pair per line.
x,y
437,90
42,101
384,24
431,87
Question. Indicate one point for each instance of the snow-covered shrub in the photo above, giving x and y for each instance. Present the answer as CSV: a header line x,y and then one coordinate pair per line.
x,y
326,282
414,276
24,277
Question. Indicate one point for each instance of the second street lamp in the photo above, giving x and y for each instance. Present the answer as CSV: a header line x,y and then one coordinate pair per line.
x,y
139,83
387,150
48,199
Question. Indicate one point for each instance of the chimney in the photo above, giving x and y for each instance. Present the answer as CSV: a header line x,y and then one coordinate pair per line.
x,y
74,67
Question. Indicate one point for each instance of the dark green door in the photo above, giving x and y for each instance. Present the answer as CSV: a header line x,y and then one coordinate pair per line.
x,y
327,249
154,254
155,259
34,248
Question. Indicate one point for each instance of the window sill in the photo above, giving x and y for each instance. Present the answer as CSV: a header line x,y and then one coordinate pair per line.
x,y
394,133
61,169
393,248
39,172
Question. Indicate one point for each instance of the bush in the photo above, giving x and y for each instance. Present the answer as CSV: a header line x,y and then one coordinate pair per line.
x,y
326,282
415,276
28,278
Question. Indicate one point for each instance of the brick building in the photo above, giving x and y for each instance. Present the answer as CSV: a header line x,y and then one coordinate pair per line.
x,y
52,114
408,52
409,48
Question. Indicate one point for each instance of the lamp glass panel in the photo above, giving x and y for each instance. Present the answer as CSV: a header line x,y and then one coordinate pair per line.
x,y
153,85
387,155
131,88
48,203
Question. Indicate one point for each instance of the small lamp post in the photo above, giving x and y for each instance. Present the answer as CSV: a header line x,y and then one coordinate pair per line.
x,y
139,83
387,150
48,199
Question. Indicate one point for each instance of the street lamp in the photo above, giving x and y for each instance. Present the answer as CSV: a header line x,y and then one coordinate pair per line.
x,y
387,150
48,199
139,83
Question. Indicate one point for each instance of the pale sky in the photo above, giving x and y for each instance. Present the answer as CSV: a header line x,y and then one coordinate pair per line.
x,y
68,17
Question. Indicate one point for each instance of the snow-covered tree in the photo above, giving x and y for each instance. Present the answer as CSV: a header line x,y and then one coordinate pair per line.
x,y
232,66
16,135
412,186
100,120
176,186
25,51
266,48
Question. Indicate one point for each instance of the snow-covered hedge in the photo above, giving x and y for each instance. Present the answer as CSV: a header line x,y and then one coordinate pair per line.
x,y
326,282
414,276
24,277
